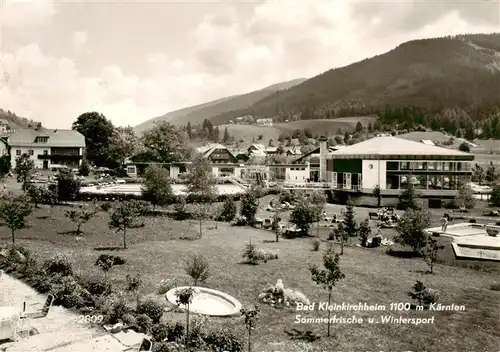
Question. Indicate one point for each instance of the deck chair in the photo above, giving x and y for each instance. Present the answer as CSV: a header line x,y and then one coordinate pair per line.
x,y
146,345
42,313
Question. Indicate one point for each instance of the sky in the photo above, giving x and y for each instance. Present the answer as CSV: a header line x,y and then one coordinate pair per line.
x,y
135,60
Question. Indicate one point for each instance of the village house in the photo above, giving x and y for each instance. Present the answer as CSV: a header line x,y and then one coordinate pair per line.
x,y
47,148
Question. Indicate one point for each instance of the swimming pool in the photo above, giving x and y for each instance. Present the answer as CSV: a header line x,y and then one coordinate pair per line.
x,y
471,241
135,189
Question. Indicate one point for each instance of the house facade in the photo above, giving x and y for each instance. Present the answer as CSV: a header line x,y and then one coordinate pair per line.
x,y
391,163
47,148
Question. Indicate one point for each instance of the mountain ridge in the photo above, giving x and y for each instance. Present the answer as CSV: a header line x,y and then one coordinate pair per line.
x,y
433,73
197,113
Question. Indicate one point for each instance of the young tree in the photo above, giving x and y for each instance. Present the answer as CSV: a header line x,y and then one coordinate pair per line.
x,y
341,233
227,137
359,127
35,193
251,317
198,268
249,206
133,285
495,195
329,276
185,297
350,224
411,228
49,196
68,186
364,232
106,262
465,197
377,193
303,216
276,222
228,211
201,185
491,173
478,174
81,215
25,168
84,168
157,187
123,217
13,212
430,252
408,198
318,201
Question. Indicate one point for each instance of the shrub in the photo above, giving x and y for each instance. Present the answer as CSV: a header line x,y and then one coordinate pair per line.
x,y
97,286
42,283
315,243
118,309
180,212
168,332
228,211
253,255
287,196
423,295
144,323
106,206
170,347
198,268
224,340
239,220
152,309
66,291
129,319
60,264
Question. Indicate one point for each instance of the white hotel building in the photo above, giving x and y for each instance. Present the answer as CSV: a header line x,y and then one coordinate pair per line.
x,y
390,163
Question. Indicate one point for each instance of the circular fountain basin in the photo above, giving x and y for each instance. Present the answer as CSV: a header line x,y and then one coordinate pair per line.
x,y
208,302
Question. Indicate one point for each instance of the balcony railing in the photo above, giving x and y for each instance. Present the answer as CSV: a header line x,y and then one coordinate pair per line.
x,y
352,188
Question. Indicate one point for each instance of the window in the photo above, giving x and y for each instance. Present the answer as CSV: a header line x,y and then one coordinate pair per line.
x,y
41,139
30,152
18,152
405,165
392,165
131,170
45,152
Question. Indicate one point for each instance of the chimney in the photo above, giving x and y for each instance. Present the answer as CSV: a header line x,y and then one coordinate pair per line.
x,y
323,155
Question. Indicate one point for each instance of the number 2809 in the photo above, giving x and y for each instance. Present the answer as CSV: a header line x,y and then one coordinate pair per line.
x,y
90,319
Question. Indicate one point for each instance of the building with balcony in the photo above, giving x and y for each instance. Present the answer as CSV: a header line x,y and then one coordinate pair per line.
x,y
391,163
47,148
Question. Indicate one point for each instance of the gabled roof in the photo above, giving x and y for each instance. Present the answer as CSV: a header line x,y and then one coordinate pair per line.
x,y
388,147
427,141
258,146
57,138
209,149
271,149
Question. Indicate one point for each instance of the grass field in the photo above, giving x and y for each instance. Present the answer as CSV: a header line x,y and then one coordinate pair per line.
x,y
157,252
322,127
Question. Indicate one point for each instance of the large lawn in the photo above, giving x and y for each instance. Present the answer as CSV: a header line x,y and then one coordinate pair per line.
x,y
157,252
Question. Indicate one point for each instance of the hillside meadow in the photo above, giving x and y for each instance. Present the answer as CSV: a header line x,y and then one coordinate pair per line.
x,y
158,252
321,127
